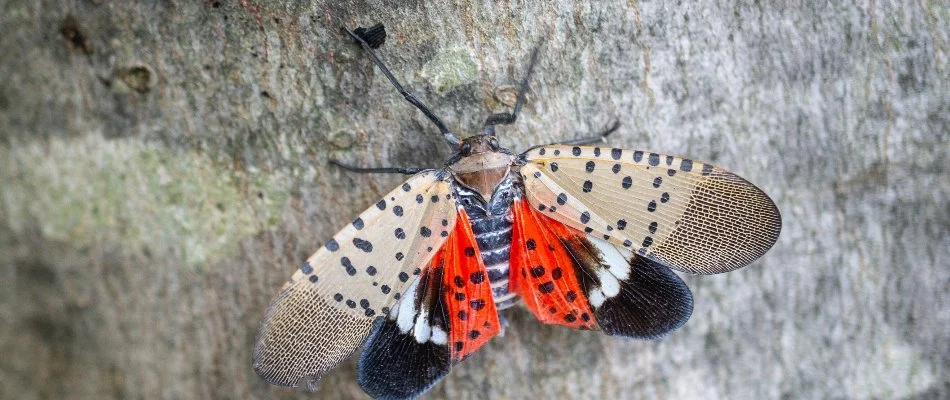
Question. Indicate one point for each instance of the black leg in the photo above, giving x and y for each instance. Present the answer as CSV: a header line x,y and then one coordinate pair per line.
x,y
384,170
510,118
594,139
376,34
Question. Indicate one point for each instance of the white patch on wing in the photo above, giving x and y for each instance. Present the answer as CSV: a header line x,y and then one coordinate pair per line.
x,y
439,336
608,283
416,322
613,258
422,330
596,297
407,309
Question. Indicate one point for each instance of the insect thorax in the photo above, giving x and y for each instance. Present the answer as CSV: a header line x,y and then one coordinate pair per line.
x,y
491,223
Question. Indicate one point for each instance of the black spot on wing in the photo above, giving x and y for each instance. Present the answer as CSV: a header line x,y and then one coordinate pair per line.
x,y
477,277
585,217
652,303
686,165
627,182
362,244
348,266
477,304
395,366
546,287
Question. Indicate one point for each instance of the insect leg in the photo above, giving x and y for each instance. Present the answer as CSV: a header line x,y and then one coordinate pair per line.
x,y
594,139
381,170
377,35
509,118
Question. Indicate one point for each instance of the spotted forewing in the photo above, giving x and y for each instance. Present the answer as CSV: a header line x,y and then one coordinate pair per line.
x,y
687,215
330,304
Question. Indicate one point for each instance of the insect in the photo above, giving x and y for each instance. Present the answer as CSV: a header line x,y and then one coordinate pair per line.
x,y
584,236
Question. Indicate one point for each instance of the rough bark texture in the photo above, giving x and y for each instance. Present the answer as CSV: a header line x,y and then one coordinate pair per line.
x,y
163,169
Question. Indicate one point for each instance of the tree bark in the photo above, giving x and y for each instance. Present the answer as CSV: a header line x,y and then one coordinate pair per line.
x,y
164,170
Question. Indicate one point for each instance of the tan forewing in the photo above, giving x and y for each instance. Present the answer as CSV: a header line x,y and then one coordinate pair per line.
x,y
326,310
688,215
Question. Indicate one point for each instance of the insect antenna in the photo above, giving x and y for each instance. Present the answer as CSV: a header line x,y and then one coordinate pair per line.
x,y
510,118
375,36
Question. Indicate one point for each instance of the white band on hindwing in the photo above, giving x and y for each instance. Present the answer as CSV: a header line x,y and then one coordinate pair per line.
x,y
615,268
416,322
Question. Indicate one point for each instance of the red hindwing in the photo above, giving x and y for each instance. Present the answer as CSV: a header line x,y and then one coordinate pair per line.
x,y
543,272
472,316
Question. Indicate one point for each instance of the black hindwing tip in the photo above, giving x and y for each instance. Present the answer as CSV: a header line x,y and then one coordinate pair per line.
x,y
394,365
652,303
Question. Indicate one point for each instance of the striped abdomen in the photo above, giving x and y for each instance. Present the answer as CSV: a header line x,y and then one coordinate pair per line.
x,y
491,224
493,236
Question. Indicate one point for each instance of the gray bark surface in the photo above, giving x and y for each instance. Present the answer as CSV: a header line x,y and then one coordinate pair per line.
x,y
163,170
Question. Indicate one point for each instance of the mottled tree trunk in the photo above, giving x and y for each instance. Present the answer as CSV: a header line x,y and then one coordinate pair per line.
x,y
163,169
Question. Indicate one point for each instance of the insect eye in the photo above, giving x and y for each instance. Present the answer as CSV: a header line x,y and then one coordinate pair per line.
x,y
466,148
493,143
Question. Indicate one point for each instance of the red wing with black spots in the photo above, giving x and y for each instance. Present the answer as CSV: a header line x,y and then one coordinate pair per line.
x,y
544,273
470,306
569,278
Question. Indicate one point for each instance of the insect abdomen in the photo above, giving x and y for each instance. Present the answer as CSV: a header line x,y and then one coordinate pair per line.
x,y
493,236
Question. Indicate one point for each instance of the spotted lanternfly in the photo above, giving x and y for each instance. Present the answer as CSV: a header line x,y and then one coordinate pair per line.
x,y
584,236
